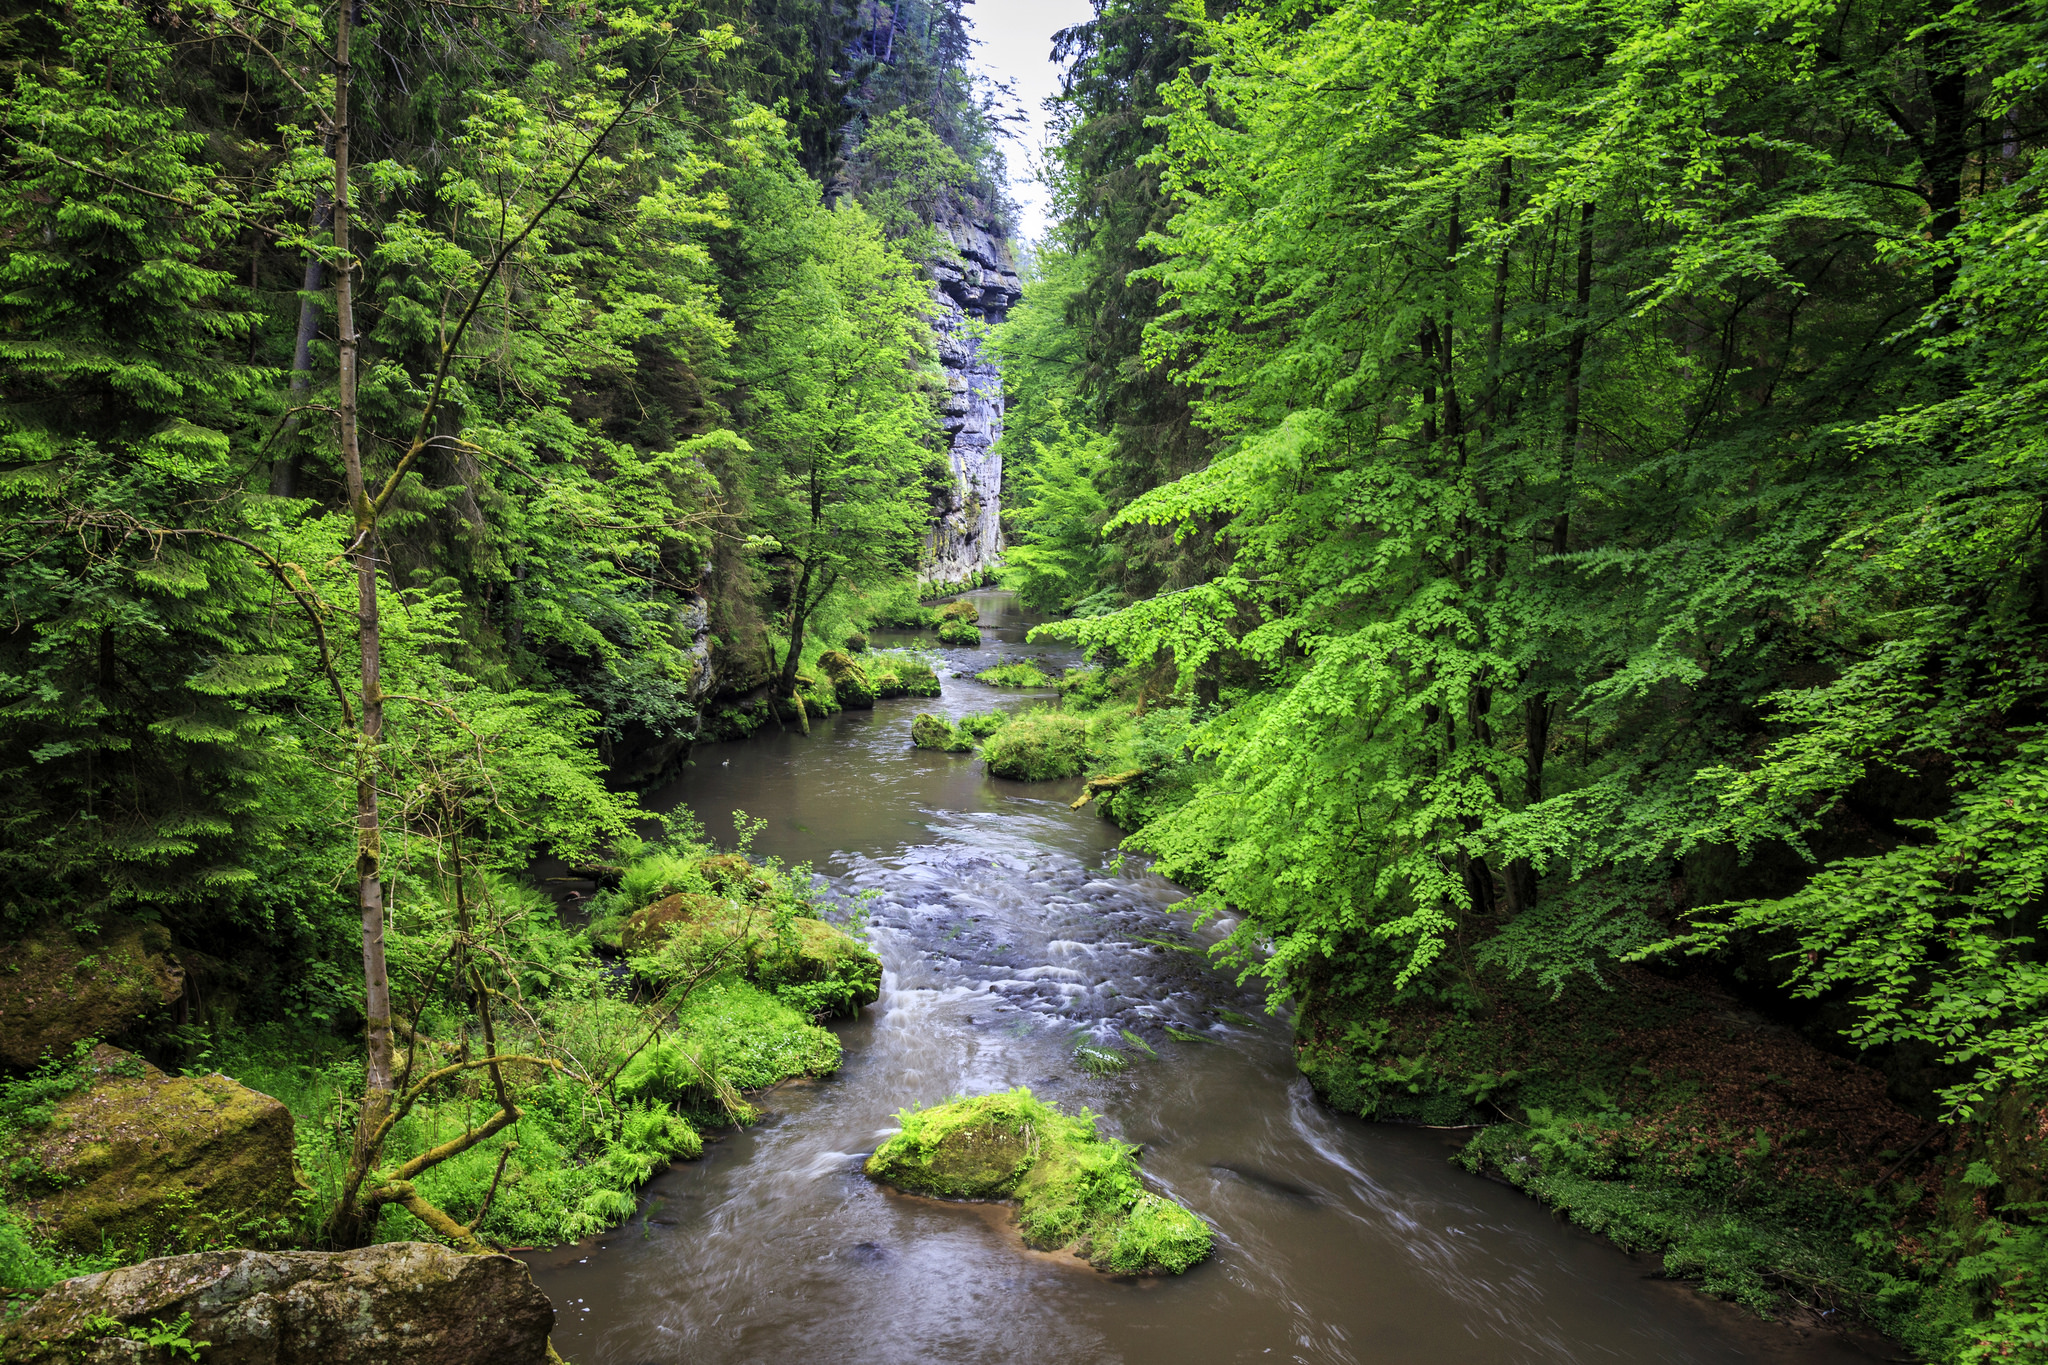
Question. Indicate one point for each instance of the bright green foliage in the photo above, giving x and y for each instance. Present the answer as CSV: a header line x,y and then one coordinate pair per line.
x,y
960,634
1017,673
1037,746
897,674
1073,1187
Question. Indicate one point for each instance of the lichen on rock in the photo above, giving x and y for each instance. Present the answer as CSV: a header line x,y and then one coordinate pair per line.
x,y
1074,1188
146,1161
401,1303
60,987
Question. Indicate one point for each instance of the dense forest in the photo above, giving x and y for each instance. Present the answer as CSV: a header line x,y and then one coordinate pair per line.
x,y
1555,500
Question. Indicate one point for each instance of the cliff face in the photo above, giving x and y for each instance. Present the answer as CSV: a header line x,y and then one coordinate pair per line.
x,y
981,286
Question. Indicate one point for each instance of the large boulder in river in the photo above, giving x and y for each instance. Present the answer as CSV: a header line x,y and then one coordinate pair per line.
x,y
59,987
1074,1188
850,682
403,1303
149,1162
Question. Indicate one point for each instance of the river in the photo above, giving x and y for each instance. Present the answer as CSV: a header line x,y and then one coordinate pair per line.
x,y
1008,931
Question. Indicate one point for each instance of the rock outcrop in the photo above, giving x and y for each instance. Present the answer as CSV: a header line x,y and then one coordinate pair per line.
x,y
147,1161
403,1303
61,987
980,286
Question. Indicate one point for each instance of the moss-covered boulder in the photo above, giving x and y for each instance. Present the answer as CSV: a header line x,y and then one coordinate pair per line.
x,y
648,928
805,962
402,1303
1038,746
1016,673
849,680
856,643
902,676
963,610
1075,1189
151,1162
928,731
58,988
964,634
731,875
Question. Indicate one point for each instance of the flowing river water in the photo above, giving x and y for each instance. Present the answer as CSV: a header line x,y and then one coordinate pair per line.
x,y
1009,931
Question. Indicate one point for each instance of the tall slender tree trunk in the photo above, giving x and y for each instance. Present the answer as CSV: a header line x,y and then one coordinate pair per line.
x,y
377,1087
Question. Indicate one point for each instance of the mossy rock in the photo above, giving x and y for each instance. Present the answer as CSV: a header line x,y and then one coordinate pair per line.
x,y
401,1303
850,682
1038,747
1074,1188
1016,673
963,610
58,988
903,677
856,643
149,1162
648,928
928,731
961,633
815,966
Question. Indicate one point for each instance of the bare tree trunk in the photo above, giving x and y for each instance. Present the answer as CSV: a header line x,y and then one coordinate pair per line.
x,y
377,1087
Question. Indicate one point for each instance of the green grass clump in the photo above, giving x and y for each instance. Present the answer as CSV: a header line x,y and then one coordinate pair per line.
x,y
961,633
1038,746
1075,1188
1017,673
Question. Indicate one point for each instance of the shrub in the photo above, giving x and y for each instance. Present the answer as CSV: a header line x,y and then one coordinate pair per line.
x,y
964,634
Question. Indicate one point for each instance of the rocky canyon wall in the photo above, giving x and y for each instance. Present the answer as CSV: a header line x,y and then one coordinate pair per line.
x,y
980,287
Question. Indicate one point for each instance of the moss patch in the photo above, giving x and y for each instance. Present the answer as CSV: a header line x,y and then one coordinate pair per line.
x,y
815,967
964,634
902,675
963,610
1073,1187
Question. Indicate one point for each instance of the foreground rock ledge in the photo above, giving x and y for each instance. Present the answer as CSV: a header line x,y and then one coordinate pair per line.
x,y
411,1302
1075,1190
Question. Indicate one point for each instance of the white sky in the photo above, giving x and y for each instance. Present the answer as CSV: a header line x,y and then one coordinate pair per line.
x,y
1016,46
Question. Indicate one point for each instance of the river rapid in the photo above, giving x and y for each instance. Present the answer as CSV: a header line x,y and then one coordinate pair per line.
x,y
1009,931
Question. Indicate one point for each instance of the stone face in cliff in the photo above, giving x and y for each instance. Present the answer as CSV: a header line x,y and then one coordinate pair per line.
x,y
144,1160
980,286
63,987
402,1303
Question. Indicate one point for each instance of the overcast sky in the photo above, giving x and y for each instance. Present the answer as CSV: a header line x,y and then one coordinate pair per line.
x,y
1016,46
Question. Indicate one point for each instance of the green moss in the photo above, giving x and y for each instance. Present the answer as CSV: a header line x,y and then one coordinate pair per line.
x,y
963,610
63,987
964,634
1038,746
856,643
1074,1188
1019,673
928,731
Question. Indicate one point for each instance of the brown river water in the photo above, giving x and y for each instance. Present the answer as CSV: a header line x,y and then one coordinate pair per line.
x,y
1008,932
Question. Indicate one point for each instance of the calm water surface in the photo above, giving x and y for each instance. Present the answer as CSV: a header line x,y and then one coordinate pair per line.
x,y
1008,932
